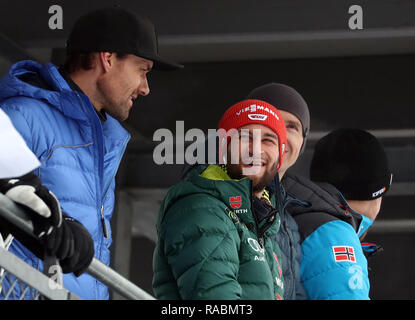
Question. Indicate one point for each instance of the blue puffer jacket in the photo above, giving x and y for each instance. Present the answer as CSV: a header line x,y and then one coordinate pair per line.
x,y
79,155
334,264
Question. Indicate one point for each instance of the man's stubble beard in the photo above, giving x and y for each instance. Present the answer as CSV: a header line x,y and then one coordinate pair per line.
x,y
258,183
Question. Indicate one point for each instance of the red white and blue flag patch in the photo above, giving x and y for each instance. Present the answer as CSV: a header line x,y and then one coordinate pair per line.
x,y
343,253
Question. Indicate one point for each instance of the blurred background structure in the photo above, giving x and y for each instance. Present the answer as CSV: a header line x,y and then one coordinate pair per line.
x,y
350,78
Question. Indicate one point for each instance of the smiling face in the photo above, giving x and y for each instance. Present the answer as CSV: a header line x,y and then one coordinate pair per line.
x,y
295,140
124,81
255,155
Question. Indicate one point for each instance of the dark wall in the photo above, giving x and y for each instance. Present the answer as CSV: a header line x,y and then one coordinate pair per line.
x,y
367,92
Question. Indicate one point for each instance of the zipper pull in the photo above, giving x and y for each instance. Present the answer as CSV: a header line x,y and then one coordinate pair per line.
x,y
261,242
104,226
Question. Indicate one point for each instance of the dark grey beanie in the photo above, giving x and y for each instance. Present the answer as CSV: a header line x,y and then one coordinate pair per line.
x,y
285,98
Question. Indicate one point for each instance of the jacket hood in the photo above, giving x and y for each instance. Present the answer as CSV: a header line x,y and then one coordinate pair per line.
x,y
220,192
46,83
208,180
322,197
13,86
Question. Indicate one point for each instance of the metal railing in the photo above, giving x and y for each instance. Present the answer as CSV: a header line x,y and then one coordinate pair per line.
x,y
34,284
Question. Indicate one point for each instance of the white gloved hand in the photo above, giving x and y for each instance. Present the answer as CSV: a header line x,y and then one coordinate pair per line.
x,y
30,193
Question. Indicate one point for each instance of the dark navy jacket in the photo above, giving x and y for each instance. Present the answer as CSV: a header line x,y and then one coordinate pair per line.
x,y
288,239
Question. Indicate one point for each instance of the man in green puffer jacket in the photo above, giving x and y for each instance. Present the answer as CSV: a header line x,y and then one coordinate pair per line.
x,y
215,227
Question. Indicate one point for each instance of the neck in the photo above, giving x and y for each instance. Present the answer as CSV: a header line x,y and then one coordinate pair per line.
x,y
281,173
259,193
86,80
368,208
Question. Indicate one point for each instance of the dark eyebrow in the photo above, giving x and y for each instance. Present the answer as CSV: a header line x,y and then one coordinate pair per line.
x,y
294,122
272,135
266,134
147,67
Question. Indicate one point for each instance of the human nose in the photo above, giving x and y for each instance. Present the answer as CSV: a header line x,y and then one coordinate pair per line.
x,y
144,88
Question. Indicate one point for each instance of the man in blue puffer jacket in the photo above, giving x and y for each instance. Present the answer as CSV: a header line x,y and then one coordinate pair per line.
x,y
350,174
69,117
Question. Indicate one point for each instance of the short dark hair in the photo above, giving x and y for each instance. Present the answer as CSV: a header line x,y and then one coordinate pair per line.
x,y
84,61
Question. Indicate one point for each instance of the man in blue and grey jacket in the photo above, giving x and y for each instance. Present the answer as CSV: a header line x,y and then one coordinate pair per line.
x,y
294,110
69,117
350,174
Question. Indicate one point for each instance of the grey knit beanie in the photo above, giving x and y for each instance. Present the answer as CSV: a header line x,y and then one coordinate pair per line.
x,y
285,98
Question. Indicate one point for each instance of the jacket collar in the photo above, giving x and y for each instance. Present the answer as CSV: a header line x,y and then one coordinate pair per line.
x,y
58,93
323,197
237,195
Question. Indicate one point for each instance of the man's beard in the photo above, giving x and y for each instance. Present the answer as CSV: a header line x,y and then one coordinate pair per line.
x,y
258,183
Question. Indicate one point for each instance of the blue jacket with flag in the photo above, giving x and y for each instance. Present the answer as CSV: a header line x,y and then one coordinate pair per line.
x,y
333,266
79,156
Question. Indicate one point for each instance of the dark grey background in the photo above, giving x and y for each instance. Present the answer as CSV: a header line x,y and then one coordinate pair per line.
x,y
349,78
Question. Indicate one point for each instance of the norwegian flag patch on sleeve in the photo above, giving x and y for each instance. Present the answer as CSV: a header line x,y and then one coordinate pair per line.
x,y
343,253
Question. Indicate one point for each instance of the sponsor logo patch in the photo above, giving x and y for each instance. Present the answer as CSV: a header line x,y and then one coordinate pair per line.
x,y
379,192
278,296
257,108
343,253
235,202
260,117
255,246
278,264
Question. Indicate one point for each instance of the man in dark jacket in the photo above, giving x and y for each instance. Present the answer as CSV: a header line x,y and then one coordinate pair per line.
x,y
215,227
351,174
295,113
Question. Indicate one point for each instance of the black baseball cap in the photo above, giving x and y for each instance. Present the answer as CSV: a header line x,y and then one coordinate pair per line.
x,y
117,30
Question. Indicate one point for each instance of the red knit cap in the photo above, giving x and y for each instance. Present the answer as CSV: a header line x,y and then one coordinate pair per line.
x,y
256,111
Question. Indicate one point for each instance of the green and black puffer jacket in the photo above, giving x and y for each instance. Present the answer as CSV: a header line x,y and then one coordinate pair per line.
x,y
210,245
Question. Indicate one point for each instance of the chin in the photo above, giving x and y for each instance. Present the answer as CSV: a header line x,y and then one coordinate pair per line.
x,y
119,116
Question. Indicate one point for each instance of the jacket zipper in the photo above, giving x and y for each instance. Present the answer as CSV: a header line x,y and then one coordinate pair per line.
x,y
258,231
104,225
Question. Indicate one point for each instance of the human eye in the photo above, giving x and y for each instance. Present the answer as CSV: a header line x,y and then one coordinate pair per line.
x,y
269,140
293,127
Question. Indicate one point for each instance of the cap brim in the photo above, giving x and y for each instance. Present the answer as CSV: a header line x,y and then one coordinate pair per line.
x,y
166,65
162,64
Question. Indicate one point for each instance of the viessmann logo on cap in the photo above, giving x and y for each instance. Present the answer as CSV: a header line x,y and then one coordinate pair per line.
x,y
255,108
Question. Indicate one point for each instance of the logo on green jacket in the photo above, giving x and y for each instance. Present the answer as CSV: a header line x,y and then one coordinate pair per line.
x,y
235,202
255,245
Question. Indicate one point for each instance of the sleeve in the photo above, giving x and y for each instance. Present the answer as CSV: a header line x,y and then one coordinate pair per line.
x,y
333,265
201,247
